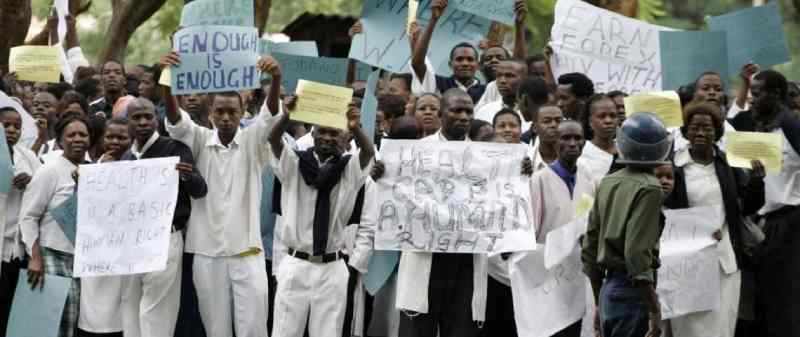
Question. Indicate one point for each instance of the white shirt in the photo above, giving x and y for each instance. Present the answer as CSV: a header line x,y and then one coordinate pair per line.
x,y
783,189
703,189
298,201
489,96
51,185
596,160
150,141
25,161
553,206
428,83
487,112
227,221
536,156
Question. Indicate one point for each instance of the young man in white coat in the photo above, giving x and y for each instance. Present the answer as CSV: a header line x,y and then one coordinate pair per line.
x,y
224,230
319,187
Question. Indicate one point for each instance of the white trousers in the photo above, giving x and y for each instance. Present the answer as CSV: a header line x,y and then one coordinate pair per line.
x,y
715,323
150,301
310,292
232,295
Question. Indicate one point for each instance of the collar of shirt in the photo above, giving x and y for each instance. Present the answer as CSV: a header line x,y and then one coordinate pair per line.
x,y
683,158
139,153
439,135
461,86
566,175
215,142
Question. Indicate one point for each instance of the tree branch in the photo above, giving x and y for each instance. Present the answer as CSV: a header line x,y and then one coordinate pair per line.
x,y
126,17
15,18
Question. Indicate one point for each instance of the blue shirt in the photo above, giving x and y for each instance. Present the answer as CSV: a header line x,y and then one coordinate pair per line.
x,y
566,175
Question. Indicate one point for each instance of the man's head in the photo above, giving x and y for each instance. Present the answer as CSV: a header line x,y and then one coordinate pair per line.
x,y
196,105
456,113
537,66
12,124
142,119
770,90
570,142
619,101
148,83
464,62
392,106
72,103
404,127
548,118
400,85
328,142
573,91
490,59
532,93
227,110
510,73
45,106
481,131
114,79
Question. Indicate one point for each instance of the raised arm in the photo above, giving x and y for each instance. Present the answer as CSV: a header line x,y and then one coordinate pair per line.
x,y
366,148
748,70
520,45
271,66
421,49
275,135
357,28
171,104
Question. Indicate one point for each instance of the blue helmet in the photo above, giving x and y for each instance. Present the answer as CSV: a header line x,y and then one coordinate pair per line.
x,y
643,140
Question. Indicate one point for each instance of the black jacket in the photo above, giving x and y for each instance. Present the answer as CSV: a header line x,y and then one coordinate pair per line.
x,y
194,187
741,196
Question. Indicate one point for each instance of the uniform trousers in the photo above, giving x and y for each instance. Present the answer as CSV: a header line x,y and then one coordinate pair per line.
x,y
310,293
623,311
151,301
779,297
232,295
499,311
450,291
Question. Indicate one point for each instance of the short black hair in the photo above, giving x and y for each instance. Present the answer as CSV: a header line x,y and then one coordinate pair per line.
x,y
154,69
71,97
89,87
582,86
535,89
359,93
69,119
475,127
463,45
393,106
7,109
506,111
405,77
617,93
117,121
213,96
535,58
449,94
774,82
58,89
103,66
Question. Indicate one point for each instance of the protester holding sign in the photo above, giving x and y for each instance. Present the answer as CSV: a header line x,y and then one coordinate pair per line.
x,y
229,270
152,300
25,164
768,113
704,178
45,240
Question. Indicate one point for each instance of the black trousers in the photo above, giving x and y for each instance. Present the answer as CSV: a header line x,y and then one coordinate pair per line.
x,y
499,311
449,301
9,275
778,299
189,323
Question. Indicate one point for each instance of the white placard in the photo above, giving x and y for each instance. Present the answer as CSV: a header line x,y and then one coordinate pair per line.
x,y
125,212
562,241
616,52
453,197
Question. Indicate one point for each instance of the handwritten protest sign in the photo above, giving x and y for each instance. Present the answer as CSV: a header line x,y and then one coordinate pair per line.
x,y
562,241
665,104
6,168
744,147
66,216
616,52
29,129
218,12
326,70
495,10
215,59
125,212
322,104
369,105
36,312
547,301
384,42
746,31
455,197
300,48
35,63
686,55
688,279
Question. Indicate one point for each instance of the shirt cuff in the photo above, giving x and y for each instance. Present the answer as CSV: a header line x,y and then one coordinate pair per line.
x,y
427,84
177,129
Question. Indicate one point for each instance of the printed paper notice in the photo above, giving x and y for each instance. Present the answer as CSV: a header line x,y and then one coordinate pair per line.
x,y
35,63
744,147
322,104
665,104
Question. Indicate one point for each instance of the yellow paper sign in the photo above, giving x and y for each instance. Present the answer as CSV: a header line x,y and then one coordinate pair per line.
x,y
665,104
744,147
35,63
584,205
413,5
322,104
166,77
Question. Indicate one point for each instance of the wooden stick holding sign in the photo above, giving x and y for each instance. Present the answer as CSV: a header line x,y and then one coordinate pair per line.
x,y
322,104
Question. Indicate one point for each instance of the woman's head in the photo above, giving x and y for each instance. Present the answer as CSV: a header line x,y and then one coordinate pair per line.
x,y
601,117
73,103
427,111
508,125
702,124
481,131
12,124
116,137
72,133
709,88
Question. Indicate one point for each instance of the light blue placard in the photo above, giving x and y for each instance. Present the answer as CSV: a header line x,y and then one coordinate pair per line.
x,y
218,12
216,59
495,10
363,71
267,217
37,313
687,54
369,105
66,215
302,48
384,43
754,35
328,70
381,266
6,168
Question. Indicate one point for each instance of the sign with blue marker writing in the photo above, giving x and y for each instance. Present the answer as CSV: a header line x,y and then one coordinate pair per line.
x,y
686,55
37,312
326,70
125,212
215,59
218,12
384,42
302,48
495,10
754,35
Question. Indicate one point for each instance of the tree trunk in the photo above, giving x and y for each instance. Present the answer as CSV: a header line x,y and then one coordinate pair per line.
x,y
126,17
262,14
15,18
629,8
